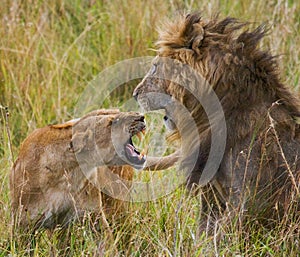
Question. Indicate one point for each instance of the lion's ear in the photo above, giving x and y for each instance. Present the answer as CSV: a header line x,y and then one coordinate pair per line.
x,y
193,32
197,40
81,141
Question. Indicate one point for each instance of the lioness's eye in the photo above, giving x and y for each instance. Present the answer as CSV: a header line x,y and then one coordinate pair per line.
x,y
153,69
115,121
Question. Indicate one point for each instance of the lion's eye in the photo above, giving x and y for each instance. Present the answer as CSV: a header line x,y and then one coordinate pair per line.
x,y
153,69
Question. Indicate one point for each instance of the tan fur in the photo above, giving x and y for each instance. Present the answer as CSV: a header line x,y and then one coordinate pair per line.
x,y
47,184
90,198
262,156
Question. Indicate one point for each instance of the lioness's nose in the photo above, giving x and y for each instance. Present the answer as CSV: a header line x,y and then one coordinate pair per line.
x,y
139,117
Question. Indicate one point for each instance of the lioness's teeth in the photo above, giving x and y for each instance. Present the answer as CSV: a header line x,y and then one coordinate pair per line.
x,y
139,136
143,153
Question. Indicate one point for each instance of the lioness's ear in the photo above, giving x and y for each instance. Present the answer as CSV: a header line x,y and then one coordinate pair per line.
x,y
81,141
111,120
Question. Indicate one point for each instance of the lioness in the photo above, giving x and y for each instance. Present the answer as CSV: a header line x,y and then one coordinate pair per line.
x,y
260,166
51,179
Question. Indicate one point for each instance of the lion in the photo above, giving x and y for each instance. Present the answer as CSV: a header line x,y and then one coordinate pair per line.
x,y
259,169
60,168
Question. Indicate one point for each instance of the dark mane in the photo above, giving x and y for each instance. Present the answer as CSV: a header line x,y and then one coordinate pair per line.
x,y
234,58
239,126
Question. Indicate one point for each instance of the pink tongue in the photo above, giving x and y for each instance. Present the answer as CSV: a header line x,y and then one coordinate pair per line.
x,y
130,148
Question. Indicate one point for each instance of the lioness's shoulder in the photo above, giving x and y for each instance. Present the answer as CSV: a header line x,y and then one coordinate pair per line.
x,y
58,133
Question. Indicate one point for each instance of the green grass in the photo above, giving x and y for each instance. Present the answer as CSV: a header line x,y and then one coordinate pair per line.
x,y
50,50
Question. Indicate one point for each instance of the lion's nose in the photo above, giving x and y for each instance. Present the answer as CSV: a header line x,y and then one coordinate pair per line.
x,y
135,94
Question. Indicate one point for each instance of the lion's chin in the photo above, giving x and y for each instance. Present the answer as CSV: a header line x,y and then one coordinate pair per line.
x,y
144,104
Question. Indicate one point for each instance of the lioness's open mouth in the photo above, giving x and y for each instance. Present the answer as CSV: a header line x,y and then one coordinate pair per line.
x,y
132,154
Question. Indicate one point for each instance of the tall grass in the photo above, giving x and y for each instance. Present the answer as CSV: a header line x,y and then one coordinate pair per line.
x,y
50,50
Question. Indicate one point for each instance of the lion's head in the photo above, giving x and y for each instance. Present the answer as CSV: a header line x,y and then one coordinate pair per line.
x,y
194,52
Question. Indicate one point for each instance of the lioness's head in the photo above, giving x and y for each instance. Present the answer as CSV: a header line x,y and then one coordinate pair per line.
x,y
107,139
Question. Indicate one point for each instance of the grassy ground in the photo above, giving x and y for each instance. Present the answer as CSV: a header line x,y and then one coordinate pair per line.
x,y
50,50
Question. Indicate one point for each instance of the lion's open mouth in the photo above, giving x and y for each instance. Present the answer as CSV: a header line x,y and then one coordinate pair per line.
x,y
132,154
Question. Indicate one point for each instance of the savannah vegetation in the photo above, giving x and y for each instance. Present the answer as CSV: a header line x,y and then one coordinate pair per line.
x,y
50,50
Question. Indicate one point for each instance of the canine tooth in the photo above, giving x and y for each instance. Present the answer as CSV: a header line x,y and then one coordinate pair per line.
x,y
139,136
144,151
